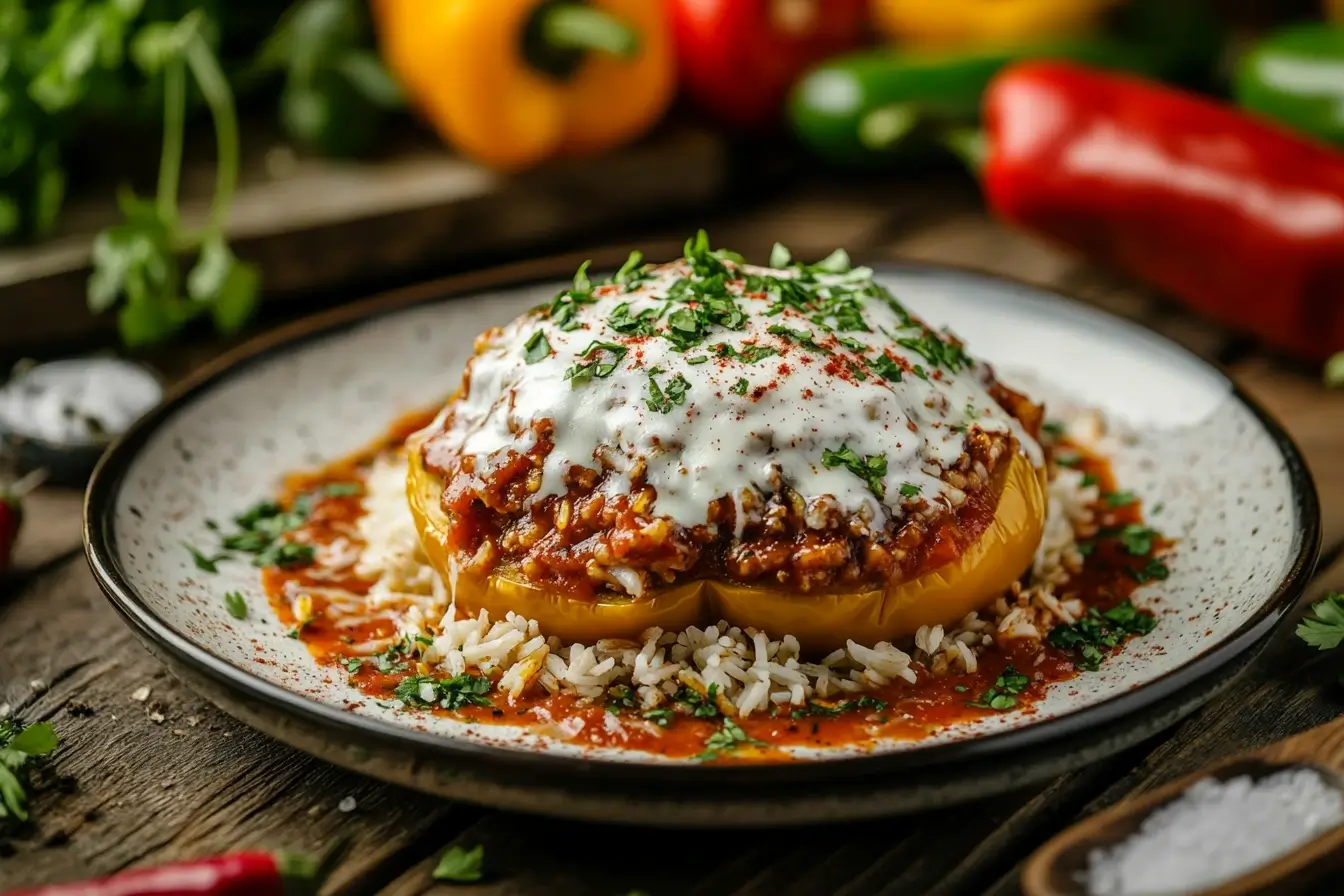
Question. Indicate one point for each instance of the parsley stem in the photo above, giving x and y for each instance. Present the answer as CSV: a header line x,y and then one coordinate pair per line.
x,y
174,126
219,97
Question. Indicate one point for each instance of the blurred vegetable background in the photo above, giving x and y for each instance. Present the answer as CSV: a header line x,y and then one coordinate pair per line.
x,y
866,87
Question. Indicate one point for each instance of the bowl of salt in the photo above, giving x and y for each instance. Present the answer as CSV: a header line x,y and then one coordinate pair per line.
x,y
61,416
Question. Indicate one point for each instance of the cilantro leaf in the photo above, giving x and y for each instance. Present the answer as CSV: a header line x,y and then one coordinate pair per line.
x,y
236,605
729,737
871,469
460,865
1003,695
1324,627
537,348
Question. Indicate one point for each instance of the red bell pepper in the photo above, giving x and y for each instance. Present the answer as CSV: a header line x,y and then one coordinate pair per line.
x,y
738,58
1239,219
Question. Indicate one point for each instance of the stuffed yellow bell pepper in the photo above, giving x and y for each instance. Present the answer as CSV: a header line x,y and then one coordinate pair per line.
x,y
785,448
957,23
512,83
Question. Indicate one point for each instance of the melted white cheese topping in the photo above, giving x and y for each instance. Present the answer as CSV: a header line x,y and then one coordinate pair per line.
x,y
727,437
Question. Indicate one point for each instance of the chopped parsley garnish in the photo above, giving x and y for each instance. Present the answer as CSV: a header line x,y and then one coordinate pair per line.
x,y
1154,570
286,555
1003,695
1068,460
1119,499
909,490
645,323
727,739
564,307
20,747
820,709
204,563
749,354
537,348
852,344
1053,427
342,489
921,373
1085,548
802,337
1096,634
664,399
780,256
1137,539
870,469
937,351
461,866
740,387
700,706
600,367
448,693
1323,628
1089,479
235,604
660,717
698,359
631,272
886,368
620,697
353,665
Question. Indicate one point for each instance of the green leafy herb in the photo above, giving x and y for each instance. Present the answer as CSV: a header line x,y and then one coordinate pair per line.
x,y
728,738
462,866
749,354
660,717
1053,427
342,489
620,697
205,563
871,704
645,323
1089,479
740,387
629,274
909,490
1154,570
937,351
20,747
236,604
802,337
885,367
1096,634
286,555
871,469
701,707
1119,499
697,360
664,399
1003,695
448,693
600,367
780,256
1323,628
537,348
1137,539
1068,460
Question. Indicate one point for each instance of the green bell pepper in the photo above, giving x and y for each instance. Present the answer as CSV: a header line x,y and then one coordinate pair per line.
x,y
875,107
1296,77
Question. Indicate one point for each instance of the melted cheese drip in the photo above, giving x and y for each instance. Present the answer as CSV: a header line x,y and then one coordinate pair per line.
x,y
720,443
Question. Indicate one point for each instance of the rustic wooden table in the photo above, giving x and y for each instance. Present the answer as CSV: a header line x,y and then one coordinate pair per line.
x,y
139,783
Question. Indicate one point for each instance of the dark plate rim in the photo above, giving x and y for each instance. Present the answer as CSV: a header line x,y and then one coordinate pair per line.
x,y
100,543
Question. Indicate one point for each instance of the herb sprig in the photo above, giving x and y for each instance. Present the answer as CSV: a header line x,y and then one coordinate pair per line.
x,y
1004,693
1094,636
21,747
727,739
448,693
1323,628
871,469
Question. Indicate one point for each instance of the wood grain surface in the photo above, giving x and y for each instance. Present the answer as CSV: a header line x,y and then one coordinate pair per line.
x,y
137,783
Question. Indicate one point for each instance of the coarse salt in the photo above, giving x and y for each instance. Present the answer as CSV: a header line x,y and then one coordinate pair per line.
x,y
1216,831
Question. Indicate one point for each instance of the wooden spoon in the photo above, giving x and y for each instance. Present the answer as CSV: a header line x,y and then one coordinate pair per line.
x,y
1056,868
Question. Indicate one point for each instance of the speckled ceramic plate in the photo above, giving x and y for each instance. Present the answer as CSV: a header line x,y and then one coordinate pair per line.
x,y
1230,485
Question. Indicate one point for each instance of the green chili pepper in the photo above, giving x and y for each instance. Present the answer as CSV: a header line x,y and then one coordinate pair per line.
x,y
1296,77
874,107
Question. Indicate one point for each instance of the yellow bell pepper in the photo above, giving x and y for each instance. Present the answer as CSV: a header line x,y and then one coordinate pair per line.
x,y
961,23
821,622
512,83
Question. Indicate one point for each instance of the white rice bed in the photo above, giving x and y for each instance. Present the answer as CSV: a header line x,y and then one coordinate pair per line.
x,y
749,671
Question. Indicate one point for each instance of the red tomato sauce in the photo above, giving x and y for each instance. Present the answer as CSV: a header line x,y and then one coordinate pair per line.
x,y
911,711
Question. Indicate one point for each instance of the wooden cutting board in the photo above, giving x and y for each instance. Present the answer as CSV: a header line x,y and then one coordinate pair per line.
x,y
315,224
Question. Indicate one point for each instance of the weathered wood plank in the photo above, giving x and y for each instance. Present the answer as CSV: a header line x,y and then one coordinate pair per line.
x,y
140,783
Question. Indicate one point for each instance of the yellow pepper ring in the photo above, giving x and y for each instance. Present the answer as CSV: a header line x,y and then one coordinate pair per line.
x,y
820,621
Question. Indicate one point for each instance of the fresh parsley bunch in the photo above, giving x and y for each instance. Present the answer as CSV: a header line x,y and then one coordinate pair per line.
x,y
20,747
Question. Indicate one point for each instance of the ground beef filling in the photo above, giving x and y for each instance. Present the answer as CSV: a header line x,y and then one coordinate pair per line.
x,y
592,540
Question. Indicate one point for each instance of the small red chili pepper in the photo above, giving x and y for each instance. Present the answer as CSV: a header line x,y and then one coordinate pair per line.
x,y
1240,220
11,514
738,58
239,874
